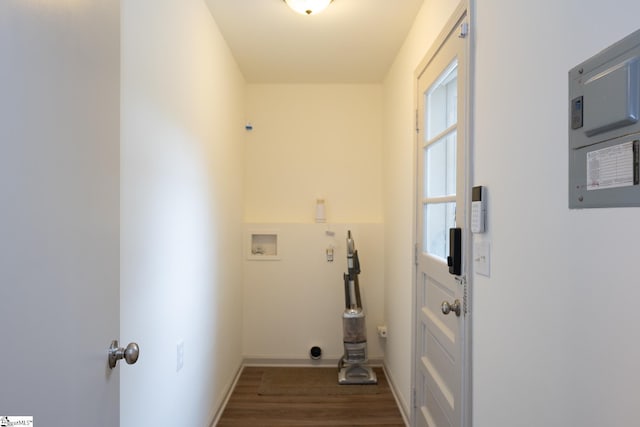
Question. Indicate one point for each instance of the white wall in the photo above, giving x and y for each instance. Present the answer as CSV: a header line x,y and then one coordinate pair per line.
x,y
59,210
296,302
182,172
553,337
554,344
311,141
399,190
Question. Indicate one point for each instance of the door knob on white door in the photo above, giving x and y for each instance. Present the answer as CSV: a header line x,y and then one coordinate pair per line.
x,y
448,308
129,354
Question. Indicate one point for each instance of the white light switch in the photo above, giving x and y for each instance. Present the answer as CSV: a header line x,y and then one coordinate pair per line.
x,y
481,258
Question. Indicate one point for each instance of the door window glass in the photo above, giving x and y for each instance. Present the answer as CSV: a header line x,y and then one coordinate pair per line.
x,y
439,163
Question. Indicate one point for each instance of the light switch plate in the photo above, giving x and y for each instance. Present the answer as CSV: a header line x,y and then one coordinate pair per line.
x,y
179,355
482,258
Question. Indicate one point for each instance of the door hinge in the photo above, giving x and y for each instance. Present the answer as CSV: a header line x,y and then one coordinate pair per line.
x,y
413,399
465,298
464,30
462,281
415,254
417,127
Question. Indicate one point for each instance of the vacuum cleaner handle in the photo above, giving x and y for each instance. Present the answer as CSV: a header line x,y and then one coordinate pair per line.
x,y
347,298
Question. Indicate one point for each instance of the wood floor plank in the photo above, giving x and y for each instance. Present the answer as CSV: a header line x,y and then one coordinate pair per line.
x,y
247,408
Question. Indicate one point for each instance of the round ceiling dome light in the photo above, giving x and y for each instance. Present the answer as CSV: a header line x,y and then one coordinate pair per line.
x,y
308,7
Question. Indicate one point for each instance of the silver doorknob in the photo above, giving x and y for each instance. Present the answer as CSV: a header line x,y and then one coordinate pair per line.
x,y
129,354
448,308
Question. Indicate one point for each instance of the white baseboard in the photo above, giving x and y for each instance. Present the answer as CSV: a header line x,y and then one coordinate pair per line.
x,y
404,409
293,362
218,413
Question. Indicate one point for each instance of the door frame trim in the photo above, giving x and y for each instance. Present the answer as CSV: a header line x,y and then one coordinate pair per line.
x,y
464,10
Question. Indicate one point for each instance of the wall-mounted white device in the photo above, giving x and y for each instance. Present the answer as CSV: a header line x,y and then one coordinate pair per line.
x,y
478,209
330,254
320,211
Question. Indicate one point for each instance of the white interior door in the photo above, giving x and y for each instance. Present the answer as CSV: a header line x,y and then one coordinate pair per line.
x,y
439,358
59,215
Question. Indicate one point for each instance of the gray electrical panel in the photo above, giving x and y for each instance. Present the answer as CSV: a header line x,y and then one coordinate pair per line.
x,y
604,127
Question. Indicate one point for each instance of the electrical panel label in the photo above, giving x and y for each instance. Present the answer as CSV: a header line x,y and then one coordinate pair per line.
x,y
613,167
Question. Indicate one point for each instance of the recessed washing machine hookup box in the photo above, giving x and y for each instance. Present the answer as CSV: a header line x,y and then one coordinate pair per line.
x,y
262,245
604,127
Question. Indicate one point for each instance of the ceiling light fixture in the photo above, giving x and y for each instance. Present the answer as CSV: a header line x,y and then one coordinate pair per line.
x,y
308,7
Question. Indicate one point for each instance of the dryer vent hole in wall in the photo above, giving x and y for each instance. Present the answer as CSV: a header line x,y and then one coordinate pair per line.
x,y
315,353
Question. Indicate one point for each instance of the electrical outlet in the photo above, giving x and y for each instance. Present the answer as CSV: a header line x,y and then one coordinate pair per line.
x,y
330,254
179,355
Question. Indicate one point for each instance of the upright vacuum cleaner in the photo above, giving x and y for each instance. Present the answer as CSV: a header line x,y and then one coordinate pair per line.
x,y
352,367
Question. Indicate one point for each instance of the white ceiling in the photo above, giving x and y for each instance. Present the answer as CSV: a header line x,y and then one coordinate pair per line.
x,y
352,41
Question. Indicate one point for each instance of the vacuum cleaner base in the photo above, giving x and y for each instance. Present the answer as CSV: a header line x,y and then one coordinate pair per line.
x,y
357,374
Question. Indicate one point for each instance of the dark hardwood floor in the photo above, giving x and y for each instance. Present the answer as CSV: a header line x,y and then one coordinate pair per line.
x,y
247,408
